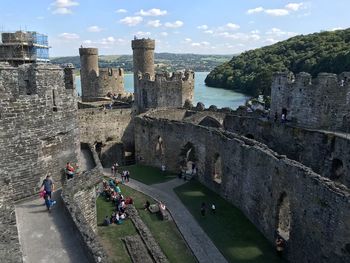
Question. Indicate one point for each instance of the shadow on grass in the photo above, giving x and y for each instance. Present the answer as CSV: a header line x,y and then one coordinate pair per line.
x,y
147,174
232,233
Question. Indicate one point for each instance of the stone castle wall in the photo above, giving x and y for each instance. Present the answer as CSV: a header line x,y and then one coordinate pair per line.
x,y
321,103
95,82
113,129
257,180
98,125
38,126
165,91
79,197
315,149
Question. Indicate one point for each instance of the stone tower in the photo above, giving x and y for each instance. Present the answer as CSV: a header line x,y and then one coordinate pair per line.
x,y
88,70
143,62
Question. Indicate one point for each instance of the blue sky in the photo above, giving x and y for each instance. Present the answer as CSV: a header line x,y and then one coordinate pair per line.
x,y
193,26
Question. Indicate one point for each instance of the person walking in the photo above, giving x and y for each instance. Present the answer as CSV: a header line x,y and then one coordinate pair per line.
x,y
213,208
48,186
203,209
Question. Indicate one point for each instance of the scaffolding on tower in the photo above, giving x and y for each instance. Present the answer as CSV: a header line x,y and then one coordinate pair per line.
x,y
24,47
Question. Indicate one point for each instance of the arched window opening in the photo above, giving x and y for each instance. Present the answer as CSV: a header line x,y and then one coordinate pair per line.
x,y
337,169
188,159
283,217
217,173
160,146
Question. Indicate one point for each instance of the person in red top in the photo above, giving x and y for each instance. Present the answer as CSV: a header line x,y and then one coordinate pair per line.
x,y
69,170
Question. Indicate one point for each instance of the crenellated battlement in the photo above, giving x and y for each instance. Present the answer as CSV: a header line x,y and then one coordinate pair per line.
x,y
321,102
144,43
305,80
177,76
111,72
88,51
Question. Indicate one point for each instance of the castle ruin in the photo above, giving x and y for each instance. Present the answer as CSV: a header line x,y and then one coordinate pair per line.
x,y
161,89
320,103
288,178
97,82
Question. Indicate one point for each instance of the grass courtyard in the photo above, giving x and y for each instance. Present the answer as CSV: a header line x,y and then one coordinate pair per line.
x,y
232,233
165,232
147,174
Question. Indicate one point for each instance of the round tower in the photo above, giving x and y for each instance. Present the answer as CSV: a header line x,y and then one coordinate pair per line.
x,y
143,56
88,71
143,61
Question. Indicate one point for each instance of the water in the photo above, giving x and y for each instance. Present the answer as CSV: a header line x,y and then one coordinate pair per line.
x,y
207,95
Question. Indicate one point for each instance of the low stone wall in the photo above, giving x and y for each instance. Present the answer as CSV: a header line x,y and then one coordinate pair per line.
x,y
146,235
10,249
79,197
274,192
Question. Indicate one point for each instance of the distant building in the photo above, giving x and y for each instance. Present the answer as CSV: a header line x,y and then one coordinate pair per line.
x,y
24,47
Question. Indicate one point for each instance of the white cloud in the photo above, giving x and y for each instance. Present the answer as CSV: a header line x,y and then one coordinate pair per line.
x,y
290,7
277,12
232,26
94,29
121,10
255,31
255,10
176,24
131,20
87,42
63,7
209,31
164,34
109,41
69,36
204,27
294,6
142,34
152,12
188,40
276,32
203,44
40,17
154,23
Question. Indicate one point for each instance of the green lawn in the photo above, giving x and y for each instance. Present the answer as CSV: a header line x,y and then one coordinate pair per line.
x,y
232,233
147,174
165,232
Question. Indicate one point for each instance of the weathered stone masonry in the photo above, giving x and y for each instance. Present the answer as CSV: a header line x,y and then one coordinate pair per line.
x,y
79,197
260,182
319,150
38,126
320,103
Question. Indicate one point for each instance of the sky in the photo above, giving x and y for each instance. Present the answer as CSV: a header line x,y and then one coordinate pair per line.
x,y
191,26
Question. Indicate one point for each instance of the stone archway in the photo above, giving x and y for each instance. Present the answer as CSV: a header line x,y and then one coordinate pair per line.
x,y
283,220
217,169
188,158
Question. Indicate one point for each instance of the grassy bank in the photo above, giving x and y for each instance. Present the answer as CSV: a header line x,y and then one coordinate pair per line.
x,y
147,174
232,233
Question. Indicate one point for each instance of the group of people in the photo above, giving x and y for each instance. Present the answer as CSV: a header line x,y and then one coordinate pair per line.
x,y
111,192
125,174
204,208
